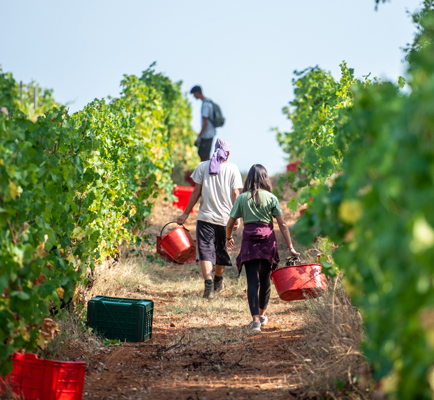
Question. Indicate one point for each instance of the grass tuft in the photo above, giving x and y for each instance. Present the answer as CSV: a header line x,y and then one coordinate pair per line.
x,y
331,361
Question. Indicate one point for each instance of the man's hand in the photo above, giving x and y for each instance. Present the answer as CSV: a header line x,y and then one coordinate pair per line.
x,y
182,219
237,224
293,252
197,141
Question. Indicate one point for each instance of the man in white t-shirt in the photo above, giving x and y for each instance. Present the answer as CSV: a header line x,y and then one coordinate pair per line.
x,y
208,131
217,184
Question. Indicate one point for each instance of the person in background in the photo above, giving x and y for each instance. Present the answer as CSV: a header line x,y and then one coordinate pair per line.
x,y
208,131
217,183
257,206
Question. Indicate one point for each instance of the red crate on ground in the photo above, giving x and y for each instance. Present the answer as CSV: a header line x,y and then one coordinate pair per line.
x,y
36,379
292,167
183,194
166,256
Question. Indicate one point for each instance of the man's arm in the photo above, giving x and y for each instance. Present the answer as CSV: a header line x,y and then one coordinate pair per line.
x,y
204,125
194,197
235,193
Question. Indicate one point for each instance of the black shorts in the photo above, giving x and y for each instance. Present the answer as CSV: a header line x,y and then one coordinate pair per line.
x,y
211,243
205,148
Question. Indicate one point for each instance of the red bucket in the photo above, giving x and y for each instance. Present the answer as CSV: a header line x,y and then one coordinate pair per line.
x,y
183,194
299,282
166,256
292,167
178,244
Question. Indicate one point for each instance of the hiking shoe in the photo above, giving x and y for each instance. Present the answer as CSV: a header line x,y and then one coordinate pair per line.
x,y
220,286
208,293
263,319
254,327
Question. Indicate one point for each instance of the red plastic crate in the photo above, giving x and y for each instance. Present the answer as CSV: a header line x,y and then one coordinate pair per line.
x,y
183,194
166,256
292,167
36,379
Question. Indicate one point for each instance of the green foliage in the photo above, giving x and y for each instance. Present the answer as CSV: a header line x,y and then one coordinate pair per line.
x,y
72,188
378,210
9,91
177,112
317,115
424,34
144,104
15,102
44,100
112,342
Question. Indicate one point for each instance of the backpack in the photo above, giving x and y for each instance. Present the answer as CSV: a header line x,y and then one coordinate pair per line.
x,y
218,120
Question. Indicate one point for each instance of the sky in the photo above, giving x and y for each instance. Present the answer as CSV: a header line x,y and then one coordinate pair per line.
x,y
243,53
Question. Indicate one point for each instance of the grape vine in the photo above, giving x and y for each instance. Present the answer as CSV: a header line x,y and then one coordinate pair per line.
x,y
73,188
375,203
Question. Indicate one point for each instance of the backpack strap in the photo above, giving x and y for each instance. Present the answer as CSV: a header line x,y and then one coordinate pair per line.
x,y
213,110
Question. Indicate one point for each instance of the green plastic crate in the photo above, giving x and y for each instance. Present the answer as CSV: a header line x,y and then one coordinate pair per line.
x,y
123,319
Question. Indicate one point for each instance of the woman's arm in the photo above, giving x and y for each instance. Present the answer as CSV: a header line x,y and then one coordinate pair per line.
x,y
230,244
285,233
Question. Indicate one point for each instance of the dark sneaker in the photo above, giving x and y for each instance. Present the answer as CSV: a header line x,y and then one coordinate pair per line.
x,y
220,286
208,293
263,319
254,327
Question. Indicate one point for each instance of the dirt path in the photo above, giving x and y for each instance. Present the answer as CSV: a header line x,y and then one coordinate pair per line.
x,y
199,349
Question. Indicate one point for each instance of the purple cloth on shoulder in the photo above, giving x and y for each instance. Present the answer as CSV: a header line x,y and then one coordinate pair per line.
x,y
259,242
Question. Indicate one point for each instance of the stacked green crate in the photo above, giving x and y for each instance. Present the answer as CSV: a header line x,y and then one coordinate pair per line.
x,y
122,319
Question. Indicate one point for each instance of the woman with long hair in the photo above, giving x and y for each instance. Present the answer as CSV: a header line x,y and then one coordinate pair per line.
x,y
257,206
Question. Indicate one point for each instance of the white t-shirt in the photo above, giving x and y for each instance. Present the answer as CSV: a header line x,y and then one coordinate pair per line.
x,y
207,111
216,199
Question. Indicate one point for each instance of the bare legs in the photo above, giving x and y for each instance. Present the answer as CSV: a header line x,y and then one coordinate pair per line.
x,y
206,267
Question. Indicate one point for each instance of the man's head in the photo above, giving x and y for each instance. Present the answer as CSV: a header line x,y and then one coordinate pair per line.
x,y
196,91
224,145
221,154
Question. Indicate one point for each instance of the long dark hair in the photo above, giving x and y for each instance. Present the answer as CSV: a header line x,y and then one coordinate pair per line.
x,y
257,178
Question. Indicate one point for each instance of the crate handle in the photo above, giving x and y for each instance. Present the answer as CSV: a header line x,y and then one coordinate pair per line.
x,y
30,356
171,222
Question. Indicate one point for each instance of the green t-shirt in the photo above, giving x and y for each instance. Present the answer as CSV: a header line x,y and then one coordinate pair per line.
x,y
244,207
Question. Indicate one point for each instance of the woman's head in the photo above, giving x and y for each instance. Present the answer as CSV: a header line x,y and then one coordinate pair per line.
x,y
257,178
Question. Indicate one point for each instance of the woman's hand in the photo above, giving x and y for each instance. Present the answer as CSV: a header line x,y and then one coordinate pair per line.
x,y
230,243
293,252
